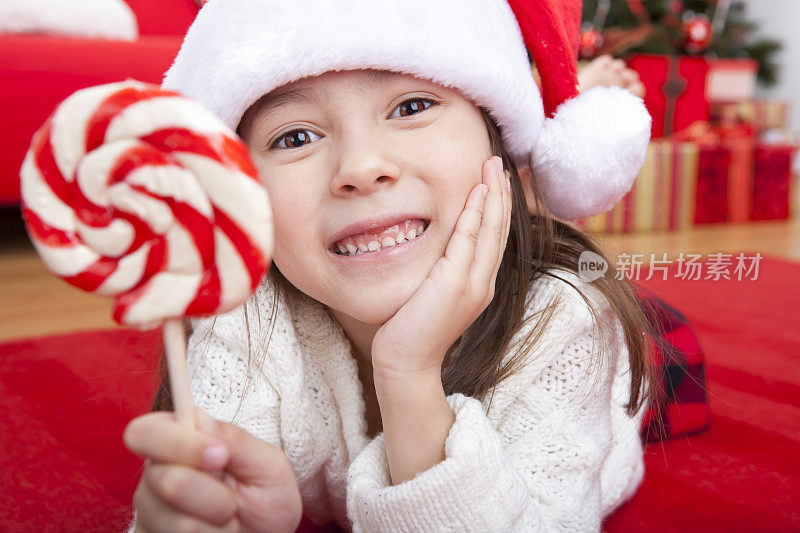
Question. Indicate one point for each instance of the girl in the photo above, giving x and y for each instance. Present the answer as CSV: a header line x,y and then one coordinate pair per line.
x,y
424,355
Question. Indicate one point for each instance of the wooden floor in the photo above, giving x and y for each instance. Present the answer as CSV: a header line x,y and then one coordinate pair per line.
x,y
33,302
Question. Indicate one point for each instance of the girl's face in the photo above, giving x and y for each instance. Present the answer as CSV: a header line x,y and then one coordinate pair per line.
x,y
350,153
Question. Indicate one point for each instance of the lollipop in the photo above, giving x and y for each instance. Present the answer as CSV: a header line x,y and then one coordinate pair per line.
x,y
139,193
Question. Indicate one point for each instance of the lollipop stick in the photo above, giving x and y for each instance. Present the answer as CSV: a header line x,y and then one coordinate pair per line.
x,y
175,342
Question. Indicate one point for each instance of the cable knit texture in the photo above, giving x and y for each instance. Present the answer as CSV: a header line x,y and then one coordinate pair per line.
x,y
554,451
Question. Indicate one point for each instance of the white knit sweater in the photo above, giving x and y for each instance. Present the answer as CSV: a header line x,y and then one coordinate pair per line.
x,y
555,452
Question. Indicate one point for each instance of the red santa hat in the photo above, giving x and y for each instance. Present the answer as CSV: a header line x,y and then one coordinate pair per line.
x,y
586,149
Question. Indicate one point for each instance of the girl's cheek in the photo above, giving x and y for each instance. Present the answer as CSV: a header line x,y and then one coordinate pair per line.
x,y
289,202
453,195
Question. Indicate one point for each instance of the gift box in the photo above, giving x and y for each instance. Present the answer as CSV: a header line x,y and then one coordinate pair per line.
x,y
711,193
725,173
701,177
740,178
772,182
663,196
665,193
760,115
680,89
730,80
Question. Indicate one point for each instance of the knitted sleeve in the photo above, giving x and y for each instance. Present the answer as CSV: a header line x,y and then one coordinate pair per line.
x,y
555,451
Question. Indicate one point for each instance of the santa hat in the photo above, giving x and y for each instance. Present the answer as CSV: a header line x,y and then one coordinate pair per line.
x,y
586,149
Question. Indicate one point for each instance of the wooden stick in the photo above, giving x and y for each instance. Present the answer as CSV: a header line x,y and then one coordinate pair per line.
x,y
175,343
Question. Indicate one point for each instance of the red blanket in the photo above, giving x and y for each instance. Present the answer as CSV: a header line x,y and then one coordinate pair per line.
x,y
66,400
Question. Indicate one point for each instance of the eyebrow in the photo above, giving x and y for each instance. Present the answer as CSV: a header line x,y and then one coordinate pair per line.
x,y
281,97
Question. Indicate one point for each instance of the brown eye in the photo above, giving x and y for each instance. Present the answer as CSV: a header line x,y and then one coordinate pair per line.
x,y
415,106
294,139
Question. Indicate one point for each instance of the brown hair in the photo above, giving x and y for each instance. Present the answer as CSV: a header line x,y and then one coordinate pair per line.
x,y
537,242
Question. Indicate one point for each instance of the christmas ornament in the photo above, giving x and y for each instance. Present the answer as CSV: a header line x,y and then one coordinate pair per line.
x,y
591,36
591,41
597,39
697,32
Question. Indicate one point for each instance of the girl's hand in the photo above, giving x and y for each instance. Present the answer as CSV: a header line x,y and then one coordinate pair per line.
x,y
246,484
609,72
458,288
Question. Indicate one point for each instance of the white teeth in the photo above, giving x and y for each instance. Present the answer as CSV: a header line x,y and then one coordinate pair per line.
x,y
373,246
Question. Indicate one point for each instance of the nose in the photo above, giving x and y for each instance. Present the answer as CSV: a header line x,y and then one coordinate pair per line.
x,y
364,165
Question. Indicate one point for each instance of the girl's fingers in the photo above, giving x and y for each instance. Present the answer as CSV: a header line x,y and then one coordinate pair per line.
x,y
507,204
461,248
192,492
254,461
637,88
509,208
154,515
604,60
159,437
506,224
488,248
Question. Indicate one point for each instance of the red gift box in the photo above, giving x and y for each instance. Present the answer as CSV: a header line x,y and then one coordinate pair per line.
x,y
771,182
725,173
711,200
679,89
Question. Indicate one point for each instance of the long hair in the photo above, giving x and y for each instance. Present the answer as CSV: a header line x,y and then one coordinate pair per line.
x,y
537,242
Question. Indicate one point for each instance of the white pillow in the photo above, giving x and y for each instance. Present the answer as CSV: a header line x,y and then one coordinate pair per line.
x,y
102,19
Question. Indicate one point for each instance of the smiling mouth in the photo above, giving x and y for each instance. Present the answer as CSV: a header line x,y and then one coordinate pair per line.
x,y
375,242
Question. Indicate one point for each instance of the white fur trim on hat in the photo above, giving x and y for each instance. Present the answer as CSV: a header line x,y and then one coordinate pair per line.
x,y
591,151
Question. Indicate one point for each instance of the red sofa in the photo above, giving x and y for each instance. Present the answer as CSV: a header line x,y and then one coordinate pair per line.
x,y
37,72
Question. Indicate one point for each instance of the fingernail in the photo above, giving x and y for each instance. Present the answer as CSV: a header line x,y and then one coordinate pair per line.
x,y
484,190
215,456
498,163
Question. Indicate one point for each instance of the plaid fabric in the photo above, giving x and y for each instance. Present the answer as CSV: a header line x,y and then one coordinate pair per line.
x,y
681,406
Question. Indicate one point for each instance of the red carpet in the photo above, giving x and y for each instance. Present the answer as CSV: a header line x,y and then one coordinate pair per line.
x,y
744,473
65,401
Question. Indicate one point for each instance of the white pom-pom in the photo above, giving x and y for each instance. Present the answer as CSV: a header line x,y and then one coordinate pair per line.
x,y
591,151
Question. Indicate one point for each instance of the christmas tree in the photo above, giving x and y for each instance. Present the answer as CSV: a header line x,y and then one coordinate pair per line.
x,y
718,28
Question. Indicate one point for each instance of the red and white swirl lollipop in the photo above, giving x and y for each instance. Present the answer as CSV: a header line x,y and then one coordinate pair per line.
x,y
139,193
